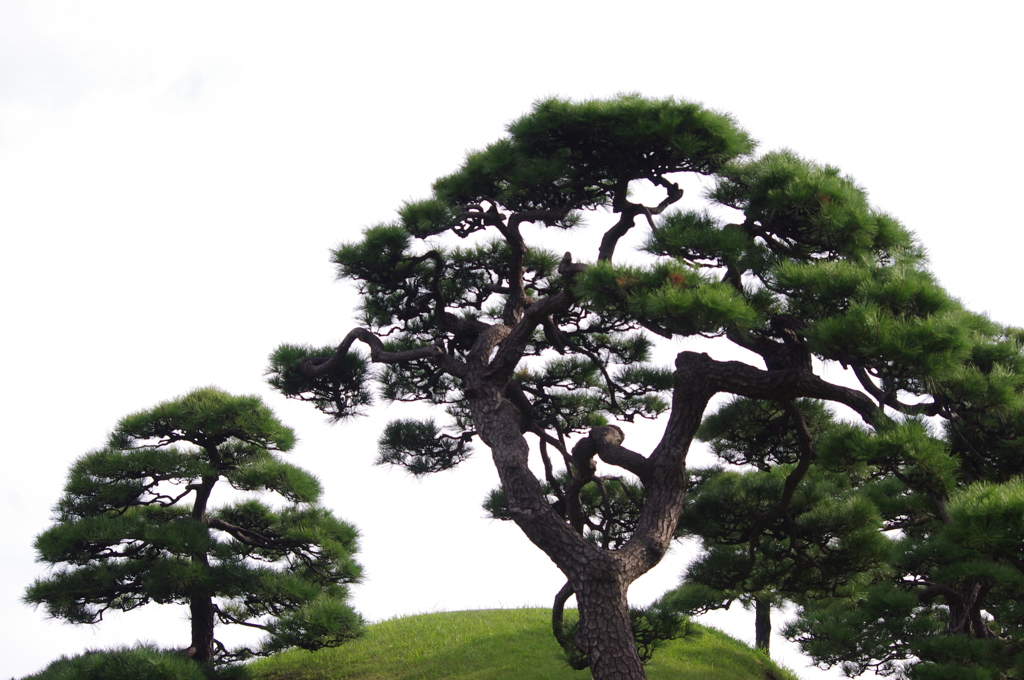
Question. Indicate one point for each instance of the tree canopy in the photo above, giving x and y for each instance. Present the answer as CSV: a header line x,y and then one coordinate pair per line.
x,y
788,267
135,526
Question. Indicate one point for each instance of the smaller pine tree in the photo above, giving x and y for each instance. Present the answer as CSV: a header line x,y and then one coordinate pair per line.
x,y
135,525
776,526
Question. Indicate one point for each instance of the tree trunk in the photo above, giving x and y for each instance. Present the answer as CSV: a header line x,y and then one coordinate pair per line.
x,y
599,577
762,624
201,613
200,604
605,632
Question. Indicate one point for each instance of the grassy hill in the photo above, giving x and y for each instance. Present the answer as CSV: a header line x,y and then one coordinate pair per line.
x,y
499,645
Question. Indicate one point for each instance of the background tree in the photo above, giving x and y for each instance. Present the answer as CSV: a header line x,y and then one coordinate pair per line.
x,y
788,261
948,603
895,544
135,525
776,527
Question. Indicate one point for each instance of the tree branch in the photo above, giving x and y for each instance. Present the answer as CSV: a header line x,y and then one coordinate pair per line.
x,y
888,398
316,366
629,211
739,378
249,537
513,344
607,443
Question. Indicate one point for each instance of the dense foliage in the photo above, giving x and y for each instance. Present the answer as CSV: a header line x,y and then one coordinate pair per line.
x,y
868,486
142,662
135,526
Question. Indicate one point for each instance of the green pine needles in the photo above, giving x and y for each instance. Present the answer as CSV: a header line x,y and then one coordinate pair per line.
x,y
136,525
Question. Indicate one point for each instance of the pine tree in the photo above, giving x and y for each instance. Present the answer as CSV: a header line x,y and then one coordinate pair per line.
x,y
787,261
901,546
776,527
136,525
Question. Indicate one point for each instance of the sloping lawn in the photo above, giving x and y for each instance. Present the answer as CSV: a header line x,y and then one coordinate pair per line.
x,y
499,645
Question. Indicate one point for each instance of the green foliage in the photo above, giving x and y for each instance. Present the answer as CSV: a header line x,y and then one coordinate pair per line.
x,y
699,239
268,473
990,518
420,447
759,433
669,298
134,526
563,158
340,392
427,218
825,543
885,645
611,507
143,662
322,623
570,152
654,627
935,596
805,210
207,414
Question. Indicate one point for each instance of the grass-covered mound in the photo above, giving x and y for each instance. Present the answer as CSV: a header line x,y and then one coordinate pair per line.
x,y
500,645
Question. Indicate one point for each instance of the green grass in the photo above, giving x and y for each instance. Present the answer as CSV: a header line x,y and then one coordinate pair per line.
x,y
501,644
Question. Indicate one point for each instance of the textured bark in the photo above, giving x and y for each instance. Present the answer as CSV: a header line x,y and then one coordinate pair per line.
x,y
201,613
601,577
964,605
762,624
605,633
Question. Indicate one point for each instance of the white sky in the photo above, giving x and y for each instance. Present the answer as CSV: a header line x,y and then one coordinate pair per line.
x,y
172,176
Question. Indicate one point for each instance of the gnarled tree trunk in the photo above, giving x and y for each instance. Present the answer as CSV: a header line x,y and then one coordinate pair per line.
x,y
600,577
605,632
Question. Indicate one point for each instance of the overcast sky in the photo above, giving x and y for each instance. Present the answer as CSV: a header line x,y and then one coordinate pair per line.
x,y
172,176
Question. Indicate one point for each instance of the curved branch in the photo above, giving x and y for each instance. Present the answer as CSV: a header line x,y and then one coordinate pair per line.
x,y
888,398
698,378
607,443
317,366
228,618
517,299
585,467
742,379
629,213
573,655
793,479
611,237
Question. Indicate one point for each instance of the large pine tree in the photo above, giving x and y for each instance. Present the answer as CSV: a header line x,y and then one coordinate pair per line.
x,y
536,354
